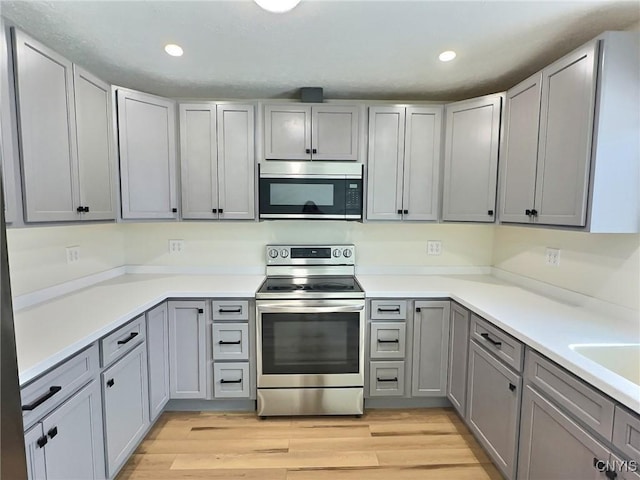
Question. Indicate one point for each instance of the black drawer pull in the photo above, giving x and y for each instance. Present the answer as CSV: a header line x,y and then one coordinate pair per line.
x,y
394,379
230,381
32,406
222,342
389,341
131,336
230,310
111,383
512,387
387,310
490,340
42,441
52,432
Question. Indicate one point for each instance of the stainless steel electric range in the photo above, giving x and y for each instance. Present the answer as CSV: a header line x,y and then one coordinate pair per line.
x,y
310,332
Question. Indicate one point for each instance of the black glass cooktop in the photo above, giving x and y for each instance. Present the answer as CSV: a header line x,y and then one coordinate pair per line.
x,y
310,284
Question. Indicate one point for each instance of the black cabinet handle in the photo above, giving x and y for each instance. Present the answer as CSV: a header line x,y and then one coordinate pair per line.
x,y
131,336
512,387
389,341
307,150
395,309
32,406
174,210
42,441
52,432
222,342
230,381
490,212
490,340
406,212
230,310
527,212
534,212
80,209
220,210
394,379
201,310
214,210
111,383
399,212
315,150
86,209
611,475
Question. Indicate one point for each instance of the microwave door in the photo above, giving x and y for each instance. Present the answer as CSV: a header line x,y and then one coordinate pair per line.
x,y
302,198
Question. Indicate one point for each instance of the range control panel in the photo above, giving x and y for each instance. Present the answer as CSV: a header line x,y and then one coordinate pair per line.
x,y
310,254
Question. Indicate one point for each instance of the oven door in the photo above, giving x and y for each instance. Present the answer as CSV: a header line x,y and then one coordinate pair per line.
x,y
311,197
310,343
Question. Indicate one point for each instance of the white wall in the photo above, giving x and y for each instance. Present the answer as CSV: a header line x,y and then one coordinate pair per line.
x,y
37,256
606,267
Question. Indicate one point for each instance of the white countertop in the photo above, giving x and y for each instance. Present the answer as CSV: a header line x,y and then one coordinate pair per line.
x,y
49,332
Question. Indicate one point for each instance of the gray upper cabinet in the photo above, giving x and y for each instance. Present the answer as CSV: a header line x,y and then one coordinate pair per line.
x,y
472,135
217,158
64,117
404,162
571,155
146,133
311,132
158,359
430,348
458,354
7,150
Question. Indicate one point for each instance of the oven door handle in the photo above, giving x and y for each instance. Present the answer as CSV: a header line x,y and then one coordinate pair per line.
x,y
278,308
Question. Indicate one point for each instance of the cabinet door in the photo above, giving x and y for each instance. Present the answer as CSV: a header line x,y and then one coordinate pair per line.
x,y
187,349
46,115
471,159
75,448
158,359
422,163
458,354
493,407
566,126
386,157
334,132
430,349
236,162
7,150
146,130
126,406
520,150
198,161
287,132
93,120
554,446
34,449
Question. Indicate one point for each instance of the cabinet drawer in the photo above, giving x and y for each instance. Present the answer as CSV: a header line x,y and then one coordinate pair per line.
x,y
388,339
386,379
231,341
123,340
573,395
230,310
48,391
500,343
388,309
626,433
231,380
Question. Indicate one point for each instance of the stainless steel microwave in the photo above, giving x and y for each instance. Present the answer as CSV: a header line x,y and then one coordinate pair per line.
x,y
310,190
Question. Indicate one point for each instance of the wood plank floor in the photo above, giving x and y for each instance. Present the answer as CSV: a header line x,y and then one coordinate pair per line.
x,y
425,444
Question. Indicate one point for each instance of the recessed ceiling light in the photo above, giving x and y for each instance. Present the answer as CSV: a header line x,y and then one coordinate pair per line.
x,y
447,56
173,50
277,6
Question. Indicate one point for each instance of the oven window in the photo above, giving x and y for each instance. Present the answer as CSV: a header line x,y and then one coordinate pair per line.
x,y
320,194
310,343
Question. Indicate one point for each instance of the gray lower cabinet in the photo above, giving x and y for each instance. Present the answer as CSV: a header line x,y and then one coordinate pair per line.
x,y
493,407
158,359
626,433
187,349
386,379
430,348
231,380
67,444
553,446
126,406
458,355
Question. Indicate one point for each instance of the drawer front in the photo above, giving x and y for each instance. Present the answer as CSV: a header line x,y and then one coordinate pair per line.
x,y
388,339
500,343
123,340
386,379
231,380
388,309
626,434
231,310
231,341
48,391
576,397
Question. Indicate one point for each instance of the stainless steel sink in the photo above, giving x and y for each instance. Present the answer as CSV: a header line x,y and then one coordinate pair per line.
x,y
623,359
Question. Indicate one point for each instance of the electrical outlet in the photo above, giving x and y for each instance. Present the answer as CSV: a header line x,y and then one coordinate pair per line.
x,y
73,254
176,246
552,257
434,247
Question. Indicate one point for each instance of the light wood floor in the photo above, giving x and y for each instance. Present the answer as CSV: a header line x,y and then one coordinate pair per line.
x,y
425,444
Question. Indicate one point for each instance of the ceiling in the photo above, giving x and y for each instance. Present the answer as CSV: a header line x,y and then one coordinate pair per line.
x,y
354,49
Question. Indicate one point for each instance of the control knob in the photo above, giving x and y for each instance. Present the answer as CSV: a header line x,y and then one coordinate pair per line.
x,y
336,252
347,253
273,253
284,253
